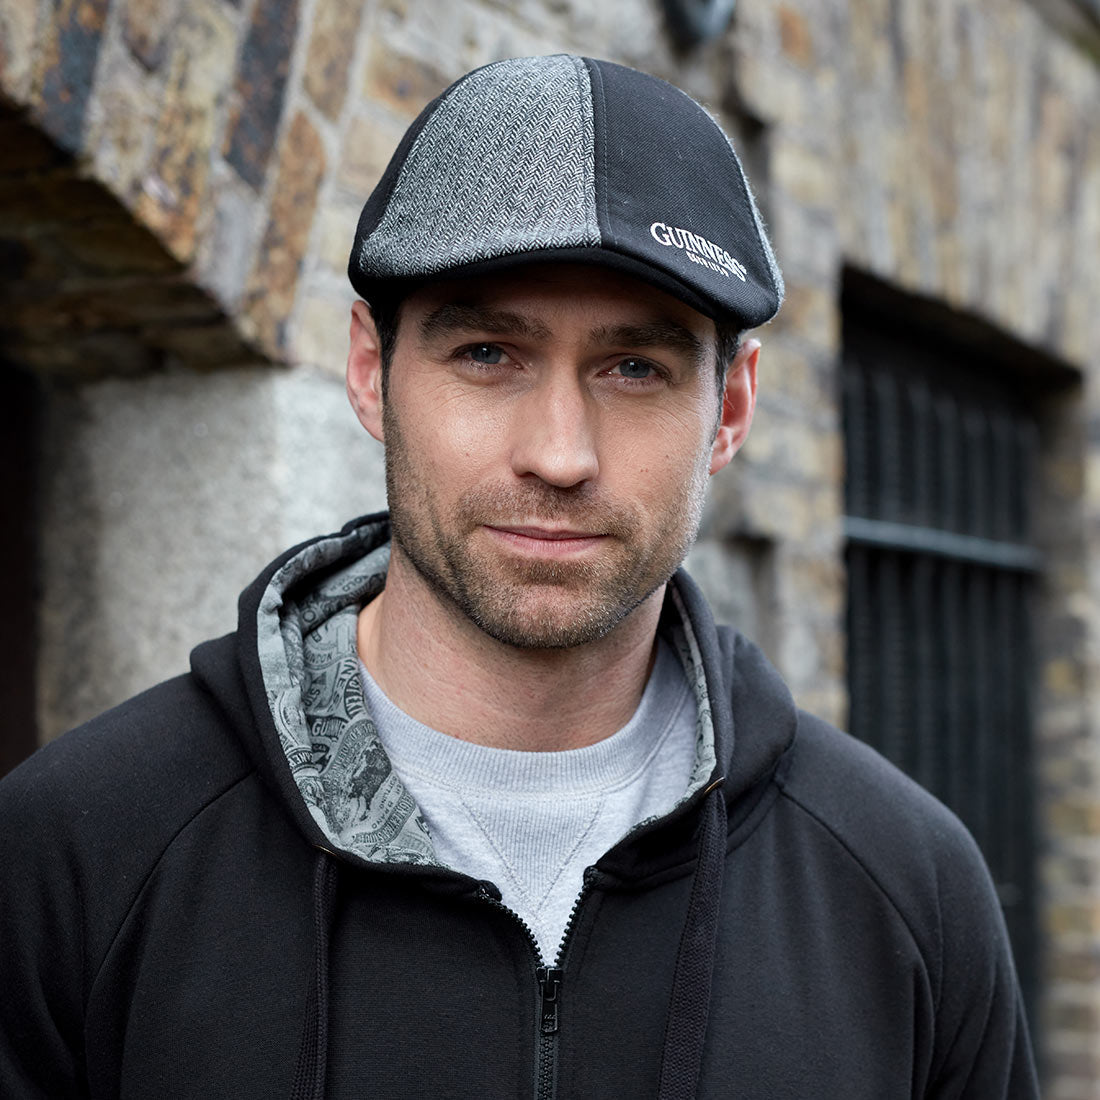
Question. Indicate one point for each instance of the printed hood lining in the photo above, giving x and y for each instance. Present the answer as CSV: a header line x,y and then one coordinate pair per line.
x,y
306,637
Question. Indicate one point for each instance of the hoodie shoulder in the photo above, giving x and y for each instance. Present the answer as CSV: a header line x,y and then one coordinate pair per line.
x,y
89,815
146,765
908,843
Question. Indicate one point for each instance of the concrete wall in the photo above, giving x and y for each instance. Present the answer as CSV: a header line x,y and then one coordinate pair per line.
x,y
162,500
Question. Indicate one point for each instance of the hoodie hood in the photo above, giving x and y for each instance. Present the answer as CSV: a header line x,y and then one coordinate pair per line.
x,y
312,734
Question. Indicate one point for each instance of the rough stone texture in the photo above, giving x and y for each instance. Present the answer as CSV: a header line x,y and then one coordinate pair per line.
x,y
146,27
159,513
175,187
18,24
948,148
331,46
261,87
67,68
274,279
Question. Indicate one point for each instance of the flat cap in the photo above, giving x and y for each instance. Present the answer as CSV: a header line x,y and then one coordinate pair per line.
x,y
565,158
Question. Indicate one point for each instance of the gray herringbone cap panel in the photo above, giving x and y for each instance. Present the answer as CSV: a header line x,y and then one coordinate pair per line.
x,y
504,165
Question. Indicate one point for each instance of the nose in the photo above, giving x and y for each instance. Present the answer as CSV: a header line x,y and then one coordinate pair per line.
x,y
555,434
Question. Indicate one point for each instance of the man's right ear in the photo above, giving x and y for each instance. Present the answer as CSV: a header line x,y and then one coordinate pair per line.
x,y
365,370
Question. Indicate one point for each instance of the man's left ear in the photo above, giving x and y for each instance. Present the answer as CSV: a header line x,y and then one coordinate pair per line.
x,y
738,403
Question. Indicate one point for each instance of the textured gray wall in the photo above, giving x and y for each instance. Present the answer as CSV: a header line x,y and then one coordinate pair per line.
x,y
162,500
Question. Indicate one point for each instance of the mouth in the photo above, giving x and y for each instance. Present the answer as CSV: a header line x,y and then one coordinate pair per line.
x,y
546,541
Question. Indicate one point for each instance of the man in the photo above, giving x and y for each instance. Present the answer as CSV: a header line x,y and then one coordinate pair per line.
x,y
478,801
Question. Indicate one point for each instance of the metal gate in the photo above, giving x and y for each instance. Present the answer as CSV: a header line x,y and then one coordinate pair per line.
x,y
941,572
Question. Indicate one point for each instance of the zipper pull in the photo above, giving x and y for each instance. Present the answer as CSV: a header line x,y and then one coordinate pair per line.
x,y
550,987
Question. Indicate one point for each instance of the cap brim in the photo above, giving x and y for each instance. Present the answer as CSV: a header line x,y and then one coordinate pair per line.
x,y
391,288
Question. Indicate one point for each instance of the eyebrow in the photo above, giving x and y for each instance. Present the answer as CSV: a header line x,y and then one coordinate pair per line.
x,y
663,334
459,317
454,317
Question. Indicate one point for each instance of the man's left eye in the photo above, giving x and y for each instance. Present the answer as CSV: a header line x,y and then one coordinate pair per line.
x,y
635,368
489,354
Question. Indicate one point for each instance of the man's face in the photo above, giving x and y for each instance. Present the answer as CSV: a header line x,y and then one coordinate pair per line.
x,y
548,440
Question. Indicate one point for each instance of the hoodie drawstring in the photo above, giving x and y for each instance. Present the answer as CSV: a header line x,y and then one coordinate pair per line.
x,y
309,1075
689,1005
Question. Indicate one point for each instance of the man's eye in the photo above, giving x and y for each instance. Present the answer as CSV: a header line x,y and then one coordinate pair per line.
x,y
635,368
489,354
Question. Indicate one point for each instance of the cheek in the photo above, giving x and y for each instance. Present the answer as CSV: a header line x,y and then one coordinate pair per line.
x,y
454,435
664,451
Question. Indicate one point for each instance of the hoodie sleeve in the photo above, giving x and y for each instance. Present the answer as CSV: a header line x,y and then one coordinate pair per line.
x,y
982,1050
41,941
972,1042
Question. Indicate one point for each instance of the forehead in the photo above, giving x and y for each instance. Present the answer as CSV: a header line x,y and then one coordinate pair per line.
x,y
558,296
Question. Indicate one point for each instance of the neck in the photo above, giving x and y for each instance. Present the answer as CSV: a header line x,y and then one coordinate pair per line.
x,y
445,672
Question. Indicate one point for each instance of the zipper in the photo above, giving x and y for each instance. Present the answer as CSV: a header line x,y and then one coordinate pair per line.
x,y
549,982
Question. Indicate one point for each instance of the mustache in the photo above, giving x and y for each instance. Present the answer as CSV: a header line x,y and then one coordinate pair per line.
x,y
580,508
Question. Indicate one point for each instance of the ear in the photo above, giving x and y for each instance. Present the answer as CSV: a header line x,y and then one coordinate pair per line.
x,y
738,404
365,370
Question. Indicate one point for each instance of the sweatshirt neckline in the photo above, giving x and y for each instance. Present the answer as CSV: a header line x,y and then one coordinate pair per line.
x,y
417,749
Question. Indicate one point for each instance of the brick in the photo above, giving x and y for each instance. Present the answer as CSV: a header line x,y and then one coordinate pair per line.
x,y
331,45
146,26
261,88
401,82
274,280
174,190
68,68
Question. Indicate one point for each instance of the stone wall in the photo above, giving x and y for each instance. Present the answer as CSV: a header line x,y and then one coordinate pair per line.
x,y
948,149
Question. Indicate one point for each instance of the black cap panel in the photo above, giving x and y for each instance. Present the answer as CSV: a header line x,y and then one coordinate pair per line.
x,y
671,193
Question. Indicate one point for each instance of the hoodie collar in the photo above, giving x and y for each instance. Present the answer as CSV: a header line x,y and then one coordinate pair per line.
x,y
317,740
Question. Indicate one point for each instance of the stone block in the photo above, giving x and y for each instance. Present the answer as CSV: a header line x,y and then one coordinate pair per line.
x,y
401,82
808,178
18,32
331,45
261,88
794,36
174,190
67,68
366,151
273,283
231,228
146,25
122,124
321,332
336,222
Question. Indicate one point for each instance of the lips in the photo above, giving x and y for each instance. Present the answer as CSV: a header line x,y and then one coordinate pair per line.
x,y
550,542
549,534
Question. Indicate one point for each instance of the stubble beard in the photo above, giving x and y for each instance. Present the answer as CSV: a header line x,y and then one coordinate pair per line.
x,y
535,603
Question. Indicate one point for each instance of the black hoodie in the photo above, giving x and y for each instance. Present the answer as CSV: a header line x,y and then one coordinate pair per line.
x,y
221,888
